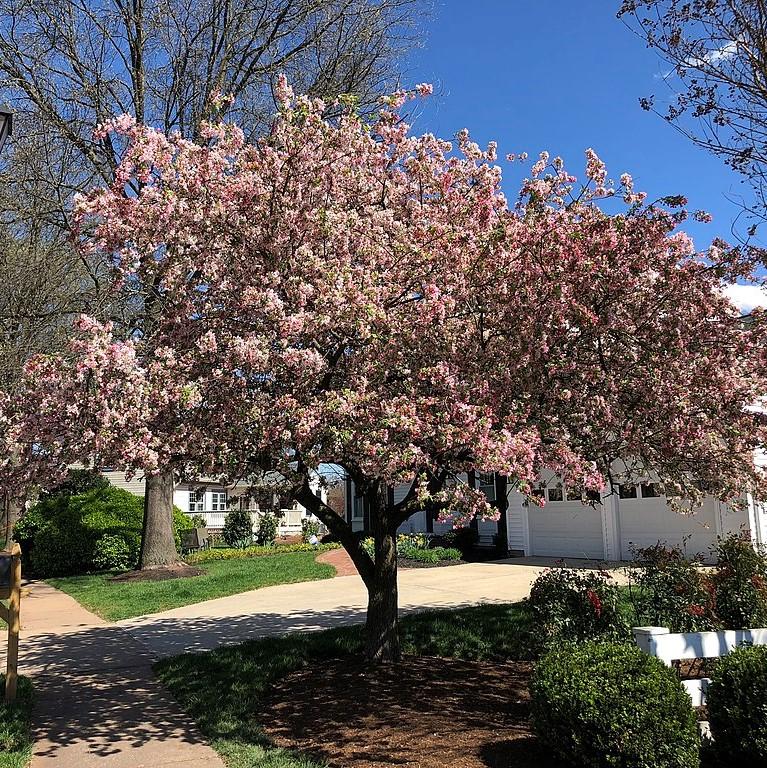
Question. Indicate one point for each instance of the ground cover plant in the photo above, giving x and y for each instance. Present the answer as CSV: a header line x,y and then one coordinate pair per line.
x,y
15,738
115,600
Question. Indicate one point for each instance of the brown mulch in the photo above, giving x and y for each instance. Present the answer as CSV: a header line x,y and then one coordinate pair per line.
x,y
422,712
161,573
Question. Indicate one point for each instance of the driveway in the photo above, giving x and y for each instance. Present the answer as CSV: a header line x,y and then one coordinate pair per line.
x,y
319,605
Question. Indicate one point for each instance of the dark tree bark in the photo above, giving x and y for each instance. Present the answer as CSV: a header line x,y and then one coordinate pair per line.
x,y
11,512
158,546
382,625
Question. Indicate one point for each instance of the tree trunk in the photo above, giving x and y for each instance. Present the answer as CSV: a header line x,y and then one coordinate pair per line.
x,y
382,626
12,508
158,545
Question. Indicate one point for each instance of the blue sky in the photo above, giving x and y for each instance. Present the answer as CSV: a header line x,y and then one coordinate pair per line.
x,y
563,75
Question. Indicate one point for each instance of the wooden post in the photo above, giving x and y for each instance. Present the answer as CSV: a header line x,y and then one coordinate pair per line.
x,y
11,616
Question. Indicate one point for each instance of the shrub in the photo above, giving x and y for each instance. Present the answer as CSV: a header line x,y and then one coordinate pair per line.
x,y
61,533
268,524
671,590
737,706
114,553
214,555
309,528
610,705
461,538
196,521
740,582
570,605
79,481
436,555
238,528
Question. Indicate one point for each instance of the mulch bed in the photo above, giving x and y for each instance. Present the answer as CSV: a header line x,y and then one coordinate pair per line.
x,y
422,712
162,573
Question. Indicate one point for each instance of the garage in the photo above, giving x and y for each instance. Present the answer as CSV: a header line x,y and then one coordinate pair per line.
x,y
566,528
645,519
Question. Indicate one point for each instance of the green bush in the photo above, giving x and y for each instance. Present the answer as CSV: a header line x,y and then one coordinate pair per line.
x,y
114,553
196,521
268,524
737,706
610,705
309,528
62,534
212,555
436,555
671,590
15,721
740,582
238,528
461,538
79,481
577,606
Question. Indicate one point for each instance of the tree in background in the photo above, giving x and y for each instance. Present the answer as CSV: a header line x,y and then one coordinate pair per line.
x,y
66,67
350,294
717,50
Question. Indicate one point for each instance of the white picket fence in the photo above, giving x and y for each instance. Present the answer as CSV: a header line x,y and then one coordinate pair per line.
x,y
670,647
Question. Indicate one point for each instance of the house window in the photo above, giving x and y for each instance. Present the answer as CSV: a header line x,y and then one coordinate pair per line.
x,y
650,491
196,500
358,508
627,491
218,501
486,484
555,493
573,495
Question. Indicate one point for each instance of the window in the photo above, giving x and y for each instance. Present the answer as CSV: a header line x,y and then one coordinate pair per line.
x,y
196,500
218,501
486,484
627,491
358,508
573,495
649,491
555,493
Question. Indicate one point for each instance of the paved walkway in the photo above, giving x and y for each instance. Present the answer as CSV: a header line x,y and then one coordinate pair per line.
x,y
97,703
317,605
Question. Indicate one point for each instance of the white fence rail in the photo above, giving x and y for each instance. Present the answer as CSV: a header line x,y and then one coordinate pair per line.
x,y
290,522
670,647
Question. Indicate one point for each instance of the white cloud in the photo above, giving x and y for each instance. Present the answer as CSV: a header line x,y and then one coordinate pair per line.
x,y
746,297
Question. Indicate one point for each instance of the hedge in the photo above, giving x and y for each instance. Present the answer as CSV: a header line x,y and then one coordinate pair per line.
x,y
211,555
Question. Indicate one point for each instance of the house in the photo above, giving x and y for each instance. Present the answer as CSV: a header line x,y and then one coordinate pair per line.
x,y
212,499
608,528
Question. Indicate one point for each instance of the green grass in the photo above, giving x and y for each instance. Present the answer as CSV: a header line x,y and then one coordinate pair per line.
x,y
15,739
122,600
223,690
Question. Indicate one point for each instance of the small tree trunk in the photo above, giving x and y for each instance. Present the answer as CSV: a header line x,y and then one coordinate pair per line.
x,y
158,545
12,508
382,626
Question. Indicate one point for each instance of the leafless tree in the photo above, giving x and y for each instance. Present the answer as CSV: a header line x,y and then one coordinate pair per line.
x,y
68,65
717,56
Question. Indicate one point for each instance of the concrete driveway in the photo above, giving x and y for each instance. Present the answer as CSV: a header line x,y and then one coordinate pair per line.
x,y
318,605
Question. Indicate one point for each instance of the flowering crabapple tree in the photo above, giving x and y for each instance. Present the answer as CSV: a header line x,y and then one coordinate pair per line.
x,y
349,293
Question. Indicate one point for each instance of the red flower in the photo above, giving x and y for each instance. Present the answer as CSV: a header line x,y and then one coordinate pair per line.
x,y
696,610
595,601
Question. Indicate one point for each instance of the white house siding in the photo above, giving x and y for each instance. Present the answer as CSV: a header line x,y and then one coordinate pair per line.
x,y
644,522
117,478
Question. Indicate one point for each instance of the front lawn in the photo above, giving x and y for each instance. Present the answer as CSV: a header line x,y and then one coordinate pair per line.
x,y
122,600
230,691
15,739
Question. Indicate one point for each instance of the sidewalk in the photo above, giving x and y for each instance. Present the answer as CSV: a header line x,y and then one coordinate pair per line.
x,y
96,701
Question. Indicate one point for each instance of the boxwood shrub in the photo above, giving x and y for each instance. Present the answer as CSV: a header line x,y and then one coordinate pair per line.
x,y
65,535
214,555
737,706
610,705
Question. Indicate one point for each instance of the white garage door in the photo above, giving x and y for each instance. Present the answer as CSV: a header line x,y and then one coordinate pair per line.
x,y
644,522
566,529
